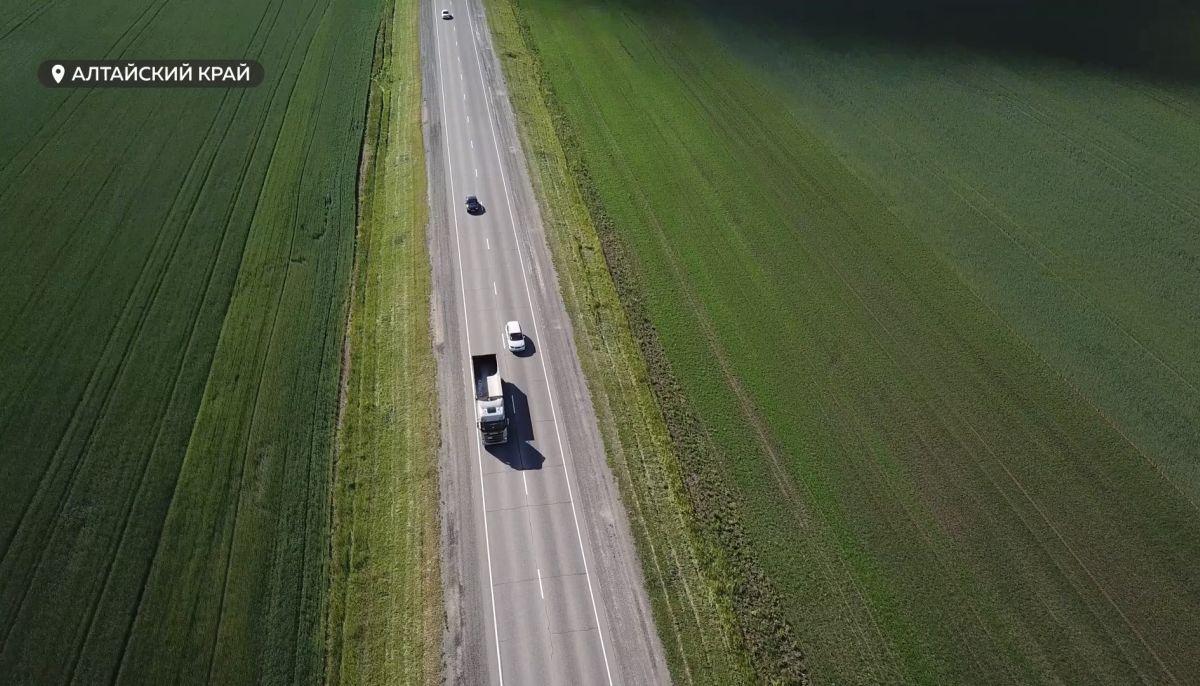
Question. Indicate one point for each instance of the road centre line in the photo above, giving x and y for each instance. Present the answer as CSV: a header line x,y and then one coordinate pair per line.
x,y
541,591
467,327
542,357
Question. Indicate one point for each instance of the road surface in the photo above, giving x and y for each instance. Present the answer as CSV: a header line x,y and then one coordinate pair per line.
x,y
541,577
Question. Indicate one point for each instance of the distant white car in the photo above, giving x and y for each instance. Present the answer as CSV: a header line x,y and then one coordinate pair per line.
x,y
446,14
514,337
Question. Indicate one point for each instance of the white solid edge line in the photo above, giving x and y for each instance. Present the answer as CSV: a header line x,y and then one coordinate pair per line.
x,y
467,326
533,313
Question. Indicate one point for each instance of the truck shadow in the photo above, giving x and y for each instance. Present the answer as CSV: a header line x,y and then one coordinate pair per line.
x,y
519,453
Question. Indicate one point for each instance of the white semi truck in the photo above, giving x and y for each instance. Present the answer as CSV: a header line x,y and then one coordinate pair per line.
x,y
489,399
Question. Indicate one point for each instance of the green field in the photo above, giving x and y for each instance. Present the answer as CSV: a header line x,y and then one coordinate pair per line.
x,y
933,305
175,268
385,606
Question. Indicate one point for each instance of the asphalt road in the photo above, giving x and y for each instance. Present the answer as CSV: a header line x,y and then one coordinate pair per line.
x,y
542,581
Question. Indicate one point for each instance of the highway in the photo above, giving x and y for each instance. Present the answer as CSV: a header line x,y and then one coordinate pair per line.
x,y
541,577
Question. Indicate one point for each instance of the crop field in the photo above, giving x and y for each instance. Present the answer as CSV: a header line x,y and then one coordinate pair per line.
x,y
175,268
933,303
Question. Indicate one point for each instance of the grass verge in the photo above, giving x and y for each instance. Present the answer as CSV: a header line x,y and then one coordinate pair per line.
x,y
717,615
385,609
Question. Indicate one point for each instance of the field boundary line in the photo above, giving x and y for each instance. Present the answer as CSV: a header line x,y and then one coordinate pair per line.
x,y
335,352
366,158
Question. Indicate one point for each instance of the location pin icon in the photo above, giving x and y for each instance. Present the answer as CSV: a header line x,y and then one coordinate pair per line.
x,y
57,72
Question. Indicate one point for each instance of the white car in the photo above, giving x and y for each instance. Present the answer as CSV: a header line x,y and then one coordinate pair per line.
x,y
514,338
446,14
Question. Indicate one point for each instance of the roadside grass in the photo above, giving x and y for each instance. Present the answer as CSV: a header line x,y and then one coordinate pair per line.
x,y
385,607
176,267
943,486
697,588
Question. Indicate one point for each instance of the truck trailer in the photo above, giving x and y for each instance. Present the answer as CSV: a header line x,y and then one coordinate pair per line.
x,y
489,399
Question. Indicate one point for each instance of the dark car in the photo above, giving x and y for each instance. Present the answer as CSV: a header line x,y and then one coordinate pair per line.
x,y
473,206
